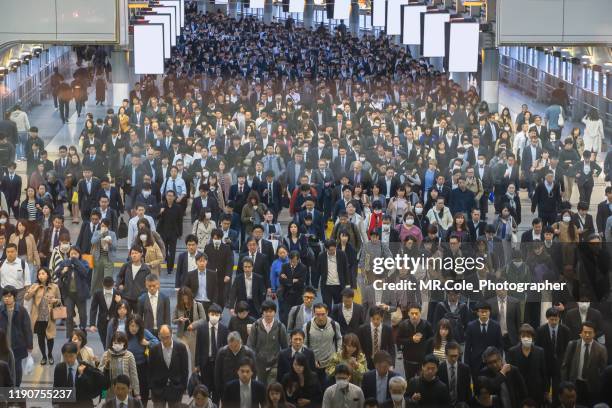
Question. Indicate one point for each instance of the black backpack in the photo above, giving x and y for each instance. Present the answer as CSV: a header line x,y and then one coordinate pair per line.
x,y
456,323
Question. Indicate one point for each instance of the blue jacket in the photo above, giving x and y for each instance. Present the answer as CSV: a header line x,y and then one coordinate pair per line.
x,y
21,330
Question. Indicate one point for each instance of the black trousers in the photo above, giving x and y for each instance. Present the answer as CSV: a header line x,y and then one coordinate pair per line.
x,y
548,218
585,192
170,251
331,294
64,109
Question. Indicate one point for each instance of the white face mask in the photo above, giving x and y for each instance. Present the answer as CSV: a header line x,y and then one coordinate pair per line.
x,y
208,215
342,383
103,229
3,220
64,247
567,218
143,237
213,319
117,347
480,162
526,341
146,194
216,241
386,227
584,306
397,397
409,221
418,210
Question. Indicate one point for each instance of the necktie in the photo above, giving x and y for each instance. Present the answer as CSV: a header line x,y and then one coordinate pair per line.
x,y
553,340
585,361
376,346
70,377
89,187
343,162
502,317
63,162
213,341
483,328
55,239
240,189
174,185
270,193
453,383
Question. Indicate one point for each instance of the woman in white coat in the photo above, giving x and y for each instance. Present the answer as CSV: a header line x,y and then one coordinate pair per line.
x,y
593,132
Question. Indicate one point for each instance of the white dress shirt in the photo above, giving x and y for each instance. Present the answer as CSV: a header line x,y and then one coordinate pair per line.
x,y
153,299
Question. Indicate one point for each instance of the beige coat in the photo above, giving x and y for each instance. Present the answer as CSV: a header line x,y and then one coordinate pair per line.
x,y
54,298
154,258
32,250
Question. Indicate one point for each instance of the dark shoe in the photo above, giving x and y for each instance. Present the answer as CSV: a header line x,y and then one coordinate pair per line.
x,y
51,361
43,361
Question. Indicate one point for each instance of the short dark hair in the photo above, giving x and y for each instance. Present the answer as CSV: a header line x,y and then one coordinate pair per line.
x,y
215,308
430,359
69,348
191,238
552,312
122,379
268,305
382,356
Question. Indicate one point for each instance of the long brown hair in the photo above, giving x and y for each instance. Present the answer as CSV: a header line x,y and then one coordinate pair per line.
x,y
352,340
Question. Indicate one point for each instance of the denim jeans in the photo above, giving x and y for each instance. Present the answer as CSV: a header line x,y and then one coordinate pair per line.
x,y
20,148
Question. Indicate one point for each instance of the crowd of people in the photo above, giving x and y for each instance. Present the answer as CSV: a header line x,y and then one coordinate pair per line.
x,y
372,154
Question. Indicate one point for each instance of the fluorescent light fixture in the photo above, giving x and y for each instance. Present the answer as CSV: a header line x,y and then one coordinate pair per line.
x,y
463,47
148,49
393,24
411,23
433,34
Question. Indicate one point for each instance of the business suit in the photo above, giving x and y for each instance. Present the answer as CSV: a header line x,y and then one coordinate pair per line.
x,y
100,314
285,361
231,394
87,197
168,383
192,282
87,385
46,244
12,191
385,342
463,381
222,261
238,293
261,266
532,368
513,318
96,164
331,293
588,384
271,199
146,311
514,381
573,321
476,342
85,235
554,353
368,383
502,178
604,210
198,205
586,181
114,403
182,269
357,318
114,198
204,360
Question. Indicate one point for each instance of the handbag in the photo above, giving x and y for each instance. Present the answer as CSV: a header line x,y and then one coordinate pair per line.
x,y
59,312
75,198
122,230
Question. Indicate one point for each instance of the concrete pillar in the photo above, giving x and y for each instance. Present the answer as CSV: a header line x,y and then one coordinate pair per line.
x,y
577,94
309,20
268,12
461,78
489,85
354,19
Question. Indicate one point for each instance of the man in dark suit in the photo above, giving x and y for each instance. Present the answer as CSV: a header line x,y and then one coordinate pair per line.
x,y
369,383
475,151
583,364
114,198
221,260
211,336
553,337
103,307
359,176
186,260
154,306
480,334
261,263
574,318
270,192
456,375
87,190
169,370
506,310
332,281
208,294
61,163
131,286
503,376
586,173
317,217
476,225
454,310
50,238
244,387
485,174
413,335
86,233
248,287
348,309
86,380
342,164
285,357
604,210
121,394
547,199
389,184
531,360
530,156
504,174
11,186
205,201
95,162
584,221
375,336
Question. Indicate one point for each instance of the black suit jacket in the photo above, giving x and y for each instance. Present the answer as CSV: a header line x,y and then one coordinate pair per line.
x,y
115,201
231,394
285,360
368,384
12,189
554,355
192,282
536,372
87,385
99,313
476,342
202,351
342,266
168,383
464,382
238,291
513,316
386,342
182,269
573,321
261,267
357,319
146,312
84,239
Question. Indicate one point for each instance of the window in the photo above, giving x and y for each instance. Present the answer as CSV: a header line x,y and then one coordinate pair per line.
x,y
595,88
